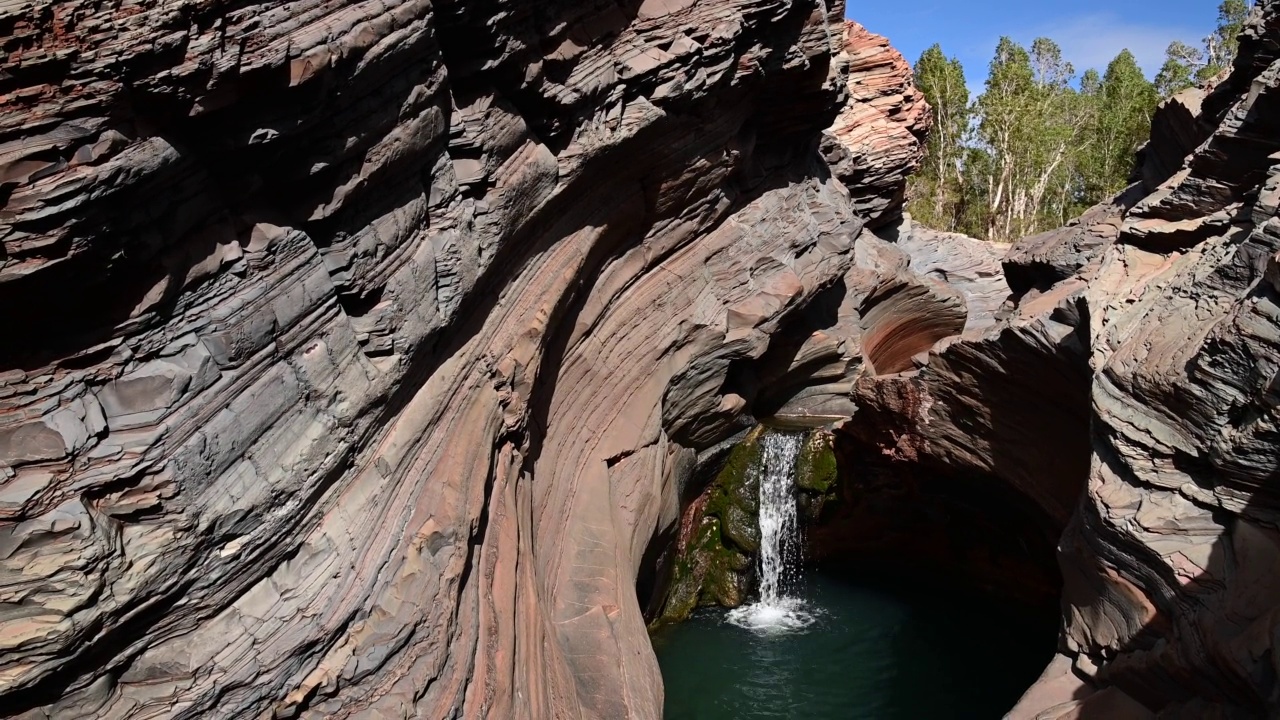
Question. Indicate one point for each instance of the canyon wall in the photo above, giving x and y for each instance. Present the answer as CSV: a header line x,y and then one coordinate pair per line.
x,y
356,356
354,353
1129,389
1172,562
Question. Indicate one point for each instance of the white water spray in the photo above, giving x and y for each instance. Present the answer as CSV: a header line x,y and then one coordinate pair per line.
x,y
779,539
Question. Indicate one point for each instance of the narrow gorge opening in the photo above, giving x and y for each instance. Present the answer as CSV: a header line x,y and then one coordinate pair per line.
x,y
813,579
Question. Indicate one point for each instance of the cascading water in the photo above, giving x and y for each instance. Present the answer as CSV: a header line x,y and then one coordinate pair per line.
x,y
865,640
779,539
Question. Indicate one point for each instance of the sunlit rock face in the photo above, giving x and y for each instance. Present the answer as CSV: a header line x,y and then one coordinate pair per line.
x,y
878,137
355,352
1171,561
1129,390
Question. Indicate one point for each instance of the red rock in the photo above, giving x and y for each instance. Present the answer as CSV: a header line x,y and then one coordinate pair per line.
x,y
376,340
878,138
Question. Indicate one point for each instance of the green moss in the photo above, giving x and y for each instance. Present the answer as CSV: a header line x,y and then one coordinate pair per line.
x,y
817,478
717,564
718,560
736,485
816,465
734,497
740,528
721,584
682,595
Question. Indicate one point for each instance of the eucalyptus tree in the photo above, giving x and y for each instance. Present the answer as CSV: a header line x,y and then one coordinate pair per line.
x,y
1186,66
1181,65
1126,101
1028,126
1221,46
937,188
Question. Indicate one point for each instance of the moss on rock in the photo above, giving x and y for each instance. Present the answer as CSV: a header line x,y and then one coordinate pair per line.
x,y
817,477
717,562
741,528
816,464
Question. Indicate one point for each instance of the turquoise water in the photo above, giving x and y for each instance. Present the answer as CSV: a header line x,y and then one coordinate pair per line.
x,y
882,647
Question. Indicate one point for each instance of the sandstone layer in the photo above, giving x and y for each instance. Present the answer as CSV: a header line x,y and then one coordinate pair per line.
x,y
1129,390
356,352
1172,561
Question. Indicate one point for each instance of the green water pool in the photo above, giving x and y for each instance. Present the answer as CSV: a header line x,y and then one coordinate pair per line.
x,y
882,645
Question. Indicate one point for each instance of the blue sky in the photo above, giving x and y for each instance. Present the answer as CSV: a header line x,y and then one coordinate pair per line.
x,y
1090,32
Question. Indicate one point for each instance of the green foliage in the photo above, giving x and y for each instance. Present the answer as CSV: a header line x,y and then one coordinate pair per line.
x,y
1186,66
1121,125
1090,83
939,183
1030,123
1221,46
1181,64
1004,165
1035,149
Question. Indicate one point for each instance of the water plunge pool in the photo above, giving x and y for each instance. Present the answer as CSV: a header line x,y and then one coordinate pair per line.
x,y
932,613
883,644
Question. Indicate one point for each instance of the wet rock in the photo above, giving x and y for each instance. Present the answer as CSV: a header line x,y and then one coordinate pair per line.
x,y
817,478
816,464
714,553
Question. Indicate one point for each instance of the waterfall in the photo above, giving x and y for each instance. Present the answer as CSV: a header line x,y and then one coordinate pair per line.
x,y
779,538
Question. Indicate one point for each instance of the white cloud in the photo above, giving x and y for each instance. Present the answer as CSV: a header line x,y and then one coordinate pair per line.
x,y
1092,41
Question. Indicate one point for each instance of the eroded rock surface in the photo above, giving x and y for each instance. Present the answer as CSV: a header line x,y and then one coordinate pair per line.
x,y
354,353
1129,390
1173,558
877,140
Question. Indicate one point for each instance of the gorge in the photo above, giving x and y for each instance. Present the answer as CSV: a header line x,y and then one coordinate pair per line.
x,y
363,359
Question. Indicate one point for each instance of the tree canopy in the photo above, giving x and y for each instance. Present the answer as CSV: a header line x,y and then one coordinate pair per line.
x,y
1186,66
1039,144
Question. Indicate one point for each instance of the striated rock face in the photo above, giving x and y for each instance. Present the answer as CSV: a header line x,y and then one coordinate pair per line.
x,y
1172,562
1130,391
877,140
359,357
355,353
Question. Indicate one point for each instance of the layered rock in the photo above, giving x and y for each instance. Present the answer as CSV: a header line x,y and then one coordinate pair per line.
x,y
1129,391
877,140
358,356
1171,561
356,353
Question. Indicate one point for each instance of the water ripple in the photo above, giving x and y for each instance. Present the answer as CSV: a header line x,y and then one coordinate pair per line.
x,y
784,615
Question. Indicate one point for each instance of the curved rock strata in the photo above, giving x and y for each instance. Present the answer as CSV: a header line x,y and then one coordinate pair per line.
x,y
356,353
1171,561
877,140
358,357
